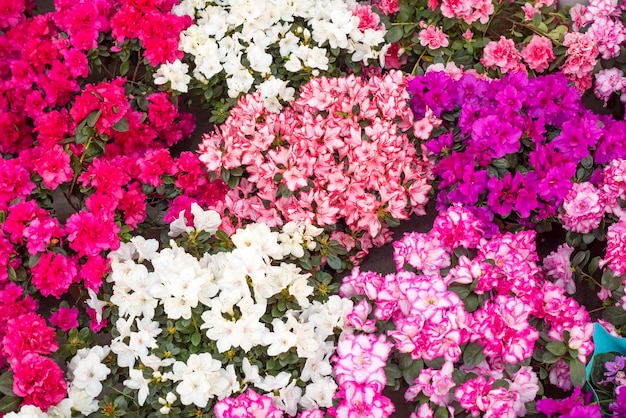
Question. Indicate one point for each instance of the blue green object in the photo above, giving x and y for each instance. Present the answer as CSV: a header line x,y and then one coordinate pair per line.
x,y
604,343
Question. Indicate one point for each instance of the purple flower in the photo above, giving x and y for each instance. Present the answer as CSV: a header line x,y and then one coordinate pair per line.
x,y
513,192
611,144
442,145
613,367
578,135
571,407
619,406
501,136
471,90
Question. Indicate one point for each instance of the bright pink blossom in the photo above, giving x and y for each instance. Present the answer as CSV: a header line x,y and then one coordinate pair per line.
x,y
583,208
39,380
362,359
28,333
54,273
362,401
65,318
433,37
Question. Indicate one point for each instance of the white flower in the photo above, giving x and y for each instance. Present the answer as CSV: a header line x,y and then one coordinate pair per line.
x,y
271,383
293,63
239,82
316,366
96,304
179,226
145,248
281,339
27,411
319,394
175,73
259,237
260,60
88,373
61,410
81,401
167,402
125,355
138,382
288,44
288,398
250,371
205,220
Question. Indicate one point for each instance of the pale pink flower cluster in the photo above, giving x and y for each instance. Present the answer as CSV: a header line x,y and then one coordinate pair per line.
x,y
609,81
468,10
341,151
614,186
538,53
433,37
503,55
557,265
582,53
583,208
431,321
615,247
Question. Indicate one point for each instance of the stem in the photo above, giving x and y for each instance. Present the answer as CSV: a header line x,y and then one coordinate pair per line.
x,y
82,159
137,66
418,62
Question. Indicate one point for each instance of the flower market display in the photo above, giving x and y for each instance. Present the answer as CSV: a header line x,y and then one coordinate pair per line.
x,y
190,192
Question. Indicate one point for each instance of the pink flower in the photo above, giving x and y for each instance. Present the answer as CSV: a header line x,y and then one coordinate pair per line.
x,y
388,7
361,359
502,55
367,18
39,380
362,401
433,383
54,273
538,53
609,81
433,37
559,375
525,383
583,208
582,55
558,265
28,333
247,405
65,318
615,247
89,234
609,35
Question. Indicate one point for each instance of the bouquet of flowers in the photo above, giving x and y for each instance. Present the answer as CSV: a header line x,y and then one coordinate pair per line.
x,y
233,48
341,153
476,328
512,147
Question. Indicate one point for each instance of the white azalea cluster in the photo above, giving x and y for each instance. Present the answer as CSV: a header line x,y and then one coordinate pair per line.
x,y
247,41
227,296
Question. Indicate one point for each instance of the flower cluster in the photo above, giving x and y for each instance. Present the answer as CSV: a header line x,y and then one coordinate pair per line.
x,y
191,332
472,334
514,145
341,152
483,35
601,24
234,48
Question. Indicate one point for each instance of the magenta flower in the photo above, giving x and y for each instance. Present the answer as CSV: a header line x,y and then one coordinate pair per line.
x,y
247,405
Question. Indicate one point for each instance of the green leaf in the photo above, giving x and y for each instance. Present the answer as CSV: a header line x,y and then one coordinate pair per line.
x,y
577,372
593,264
121,125
93,117
615,315
124,67
196,338
9,404
473,354
34,260
394,34
6,383
609,280
558,348
334,262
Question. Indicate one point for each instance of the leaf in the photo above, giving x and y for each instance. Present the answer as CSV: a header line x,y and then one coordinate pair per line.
x,y
124,67
196,338
609,281
334,262
473,354
593,264
93,117
6,383
394,34
121,125
577,372
598,367
9,404
615,315
558,348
